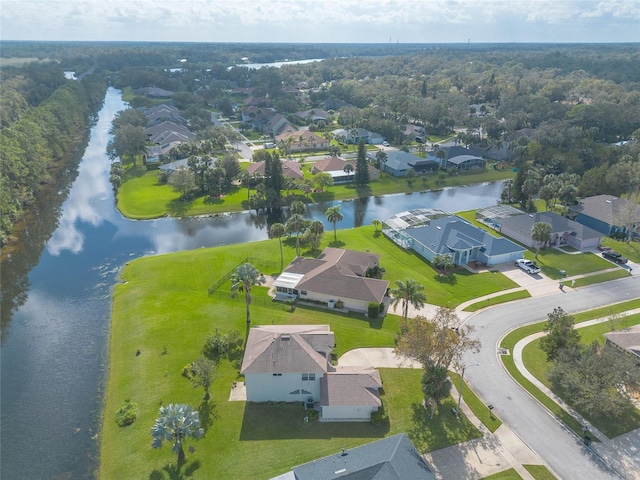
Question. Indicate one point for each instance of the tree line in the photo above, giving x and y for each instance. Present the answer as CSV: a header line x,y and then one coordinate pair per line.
x,y
40,135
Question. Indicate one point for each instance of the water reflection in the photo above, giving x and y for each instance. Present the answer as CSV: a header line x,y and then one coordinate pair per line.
x,y
55,320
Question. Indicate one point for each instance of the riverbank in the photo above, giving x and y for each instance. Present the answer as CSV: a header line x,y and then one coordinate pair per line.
x,y
142,197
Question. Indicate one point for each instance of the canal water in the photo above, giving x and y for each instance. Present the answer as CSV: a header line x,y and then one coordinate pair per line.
x,y
56,298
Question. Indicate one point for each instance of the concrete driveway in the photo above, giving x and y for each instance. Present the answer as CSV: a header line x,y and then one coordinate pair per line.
x,y
375,357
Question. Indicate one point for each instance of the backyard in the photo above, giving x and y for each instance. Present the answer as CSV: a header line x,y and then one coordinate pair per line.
x,y
161,317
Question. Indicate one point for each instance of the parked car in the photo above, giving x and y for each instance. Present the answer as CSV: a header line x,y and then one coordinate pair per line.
x,y
527,265
603,248
614,256
419,139
269,145
385,144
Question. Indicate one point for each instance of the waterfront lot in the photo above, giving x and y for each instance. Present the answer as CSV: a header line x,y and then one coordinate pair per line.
x,y
161,317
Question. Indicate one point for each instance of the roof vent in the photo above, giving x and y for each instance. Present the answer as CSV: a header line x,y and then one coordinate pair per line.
x,y
338,472
285,336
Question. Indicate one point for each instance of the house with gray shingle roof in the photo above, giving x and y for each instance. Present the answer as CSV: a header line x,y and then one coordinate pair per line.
x,y
399,162
454,236
627,340
391,458
336,275
292,363
599,212
564,231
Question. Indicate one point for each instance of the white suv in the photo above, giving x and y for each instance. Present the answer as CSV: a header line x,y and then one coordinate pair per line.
x,y
527,265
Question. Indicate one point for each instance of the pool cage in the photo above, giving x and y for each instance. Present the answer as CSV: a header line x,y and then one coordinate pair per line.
x,y
394,227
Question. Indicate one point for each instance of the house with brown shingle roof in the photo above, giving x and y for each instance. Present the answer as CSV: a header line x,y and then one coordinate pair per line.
x,y
303,140
292,363
290,169
336,275
627,340
334,166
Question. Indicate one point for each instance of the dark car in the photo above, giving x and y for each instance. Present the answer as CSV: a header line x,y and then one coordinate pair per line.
x,y
419,139
603,248
614,256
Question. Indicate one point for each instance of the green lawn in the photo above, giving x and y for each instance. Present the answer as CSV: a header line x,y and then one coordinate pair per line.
x,y
513,337
489,302
509,474
141,196
539,472
478,408
536,362
552,261
161,315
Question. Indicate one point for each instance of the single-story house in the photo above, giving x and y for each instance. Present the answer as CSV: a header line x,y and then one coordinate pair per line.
x,y
564,231
599,213
627,340
292,363
336,275
290,169
334,166
313,115
155,92
399,162
354,135
466,162
391,458
161,113
302,140
454,236
492,152
158,133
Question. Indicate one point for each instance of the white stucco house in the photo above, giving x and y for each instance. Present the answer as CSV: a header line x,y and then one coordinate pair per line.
x,y
336,275
291,363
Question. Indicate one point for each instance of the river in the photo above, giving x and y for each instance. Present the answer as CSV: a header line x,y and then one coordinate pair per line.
x,y
56,300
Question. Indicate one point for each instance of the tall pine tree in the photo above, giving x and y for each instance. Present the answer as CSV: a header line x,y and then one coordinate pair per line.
x,y
361,177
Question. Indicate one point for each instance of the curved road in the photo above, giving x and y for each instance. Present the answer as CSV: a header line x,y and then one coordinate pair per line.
x,y
559,447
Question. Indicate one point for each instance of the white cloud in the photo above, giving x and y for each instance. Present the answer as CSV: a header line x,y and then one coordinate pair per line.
x,y
319,21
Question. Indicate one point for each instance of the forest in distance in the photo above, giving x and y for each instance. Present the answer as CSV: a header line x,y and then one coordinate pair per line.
x,y
558,108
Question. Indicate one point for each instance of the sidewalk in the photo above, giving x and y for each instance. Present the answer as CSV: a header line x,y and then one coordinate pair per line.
x,y
492,453
621,453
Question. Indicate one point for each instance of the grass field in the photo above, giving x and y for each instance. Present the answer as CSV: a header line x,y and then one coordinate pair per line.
x,y
161,317
489,302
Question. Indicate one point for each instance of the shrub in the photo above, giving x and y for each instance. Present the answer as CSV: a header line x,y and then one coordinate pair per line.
x,y
339,304
221,345
127,413
373,309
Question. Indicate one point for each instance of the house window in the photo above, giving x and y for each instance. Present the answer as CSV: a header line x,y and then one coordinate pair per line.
x,y
308,377
277,374
303,292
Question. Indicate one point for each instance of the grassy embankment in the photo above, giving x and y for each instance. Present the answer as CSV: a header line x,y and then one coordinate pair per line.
x,y
161,318
141,196
535,361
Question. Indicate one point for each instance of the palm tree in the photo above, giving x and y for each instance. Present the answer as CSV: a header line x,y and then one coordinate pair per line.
x,y
334,216
376,224
298,208
244,277
296,224
176,422
315,231
408,293
436,384
277,231
541,233
348,168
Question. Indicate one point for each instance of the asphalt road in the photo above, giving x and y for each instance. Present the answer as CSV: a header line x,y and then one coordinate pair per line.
x,y
559,447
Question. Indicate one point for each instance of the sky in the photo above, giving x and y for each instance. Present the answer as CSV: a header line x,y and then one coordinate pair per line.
x,y
323,21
